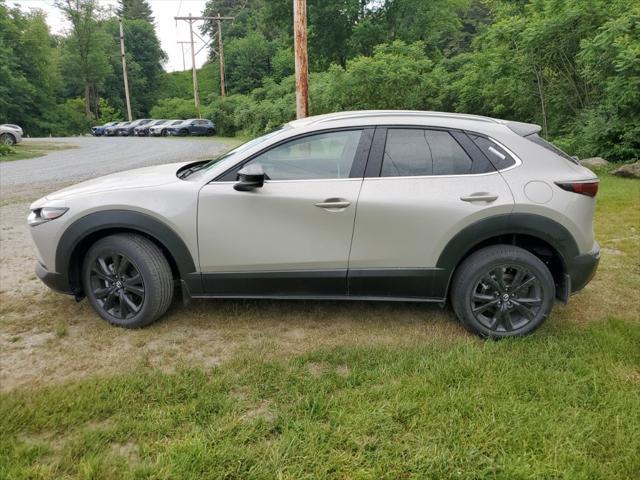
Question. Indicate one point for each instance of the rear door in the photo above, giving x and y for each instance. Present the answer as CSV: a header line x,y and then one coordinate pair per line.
x,y
422,186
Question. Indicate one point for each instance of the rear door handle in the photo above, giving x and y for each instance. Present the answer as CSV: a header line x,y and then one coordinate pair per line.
x,y
480,197
333,204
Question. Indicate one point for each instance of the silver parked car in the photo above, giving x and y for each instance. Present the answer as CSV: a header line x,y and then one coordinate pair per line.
x,y
10,134
369,205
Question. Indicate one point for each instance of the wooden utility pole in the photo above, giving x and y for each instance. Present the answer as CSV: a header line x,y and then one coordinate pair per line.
x,y
196,94
219,52
124,72
301,58
223,90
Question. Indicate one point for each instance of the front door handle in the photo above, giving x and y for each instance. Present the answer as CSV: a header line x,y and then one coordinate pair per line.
x,y
480,197
333,204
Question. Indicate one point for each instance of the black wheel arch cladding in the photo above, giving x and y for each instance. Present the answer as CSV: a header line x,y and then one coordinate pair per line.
x,y
115,221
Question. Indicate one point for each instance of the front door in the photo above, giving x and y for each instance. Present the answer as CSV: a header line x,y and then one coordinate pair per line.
x,y
292,236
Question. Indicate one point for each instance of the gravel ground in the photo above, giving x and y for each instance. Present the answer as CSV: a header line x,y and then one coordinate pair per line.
x,y
93,157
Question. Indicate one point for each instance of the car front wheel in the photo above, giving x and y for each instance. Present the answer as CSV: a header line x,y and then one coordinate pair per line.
x,y
502,291
127,280
7,139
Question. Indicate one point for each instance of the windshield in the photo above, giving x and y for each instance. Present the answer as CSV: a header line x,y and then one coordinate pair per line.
x,y
234,154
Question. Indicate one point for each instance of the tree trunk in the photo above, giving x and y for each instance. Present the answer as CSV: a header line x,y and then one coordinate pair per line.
x,y
87,99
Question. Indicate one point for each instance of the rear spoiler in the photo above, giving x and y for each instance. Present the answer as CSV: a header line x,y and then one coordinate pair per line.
x,y
523,129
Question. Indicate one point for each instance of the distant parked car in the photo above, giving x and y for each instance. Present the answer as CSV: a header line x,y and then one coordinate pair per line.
x,y
127,130
10,134
158,130
143,130
113,129
98,130
193,126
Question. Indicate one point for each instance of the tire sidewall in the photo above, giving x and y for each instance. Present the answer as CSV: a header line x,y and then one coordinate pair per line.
x,y
463,294
149,304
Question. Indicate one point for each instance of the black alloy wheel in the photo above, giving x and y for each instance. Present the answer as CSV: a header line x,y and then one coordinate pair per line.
x,y
507,298
117,285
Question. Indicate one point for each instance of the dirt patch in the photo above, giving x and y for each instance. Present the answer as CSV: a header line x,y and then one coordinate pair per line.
x,y
262,411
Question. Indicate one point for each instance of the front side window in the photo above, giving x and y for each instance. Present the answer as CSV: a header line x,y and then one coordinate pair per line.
x,y
417,152
321,156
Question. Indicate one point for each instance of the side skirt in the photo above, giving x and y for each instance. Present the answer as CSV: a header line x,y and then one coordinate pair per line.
x,y
405,285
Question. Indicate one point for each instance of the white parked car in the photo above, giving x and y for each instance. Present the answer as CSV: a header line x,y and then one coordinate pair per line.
x,y
10,134
369,205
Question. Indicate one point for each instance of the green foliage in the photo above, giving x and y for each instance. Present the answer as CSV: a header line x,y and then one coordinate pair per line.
x,y
5,150
72,119
135,10
178,108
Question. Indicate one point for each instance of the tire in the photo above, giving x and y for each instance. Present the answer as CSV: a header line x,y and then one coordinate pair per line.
x,y
149,293
164,132
502,291
211,132
183,133
7,139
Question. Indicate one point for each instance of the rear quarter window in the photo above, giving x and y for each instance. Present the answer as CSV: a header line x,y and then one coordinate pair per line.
x,y
497,155
538,140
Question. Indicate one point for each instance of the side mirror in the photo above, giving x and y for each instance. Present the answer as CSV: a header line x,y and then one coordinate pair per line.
x,y
251,177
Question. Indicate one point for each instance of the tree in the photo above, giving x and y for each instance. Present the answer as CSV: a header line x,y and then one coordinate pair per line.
x,y
135,10
144,65
29,76
85,57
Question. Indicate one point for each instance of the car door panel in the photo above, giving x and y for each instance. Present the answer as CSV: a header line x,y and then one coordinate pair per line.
x,y
274,235
290,236
404,222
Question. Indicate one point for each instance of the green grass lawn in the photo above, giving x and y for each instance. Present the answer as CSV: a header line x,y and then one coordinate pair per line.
x,y
561,403
23,151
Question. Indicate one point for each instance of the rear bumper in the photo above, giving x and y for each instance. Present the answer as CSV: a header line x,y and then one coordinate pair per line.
x,y
55,281
582,268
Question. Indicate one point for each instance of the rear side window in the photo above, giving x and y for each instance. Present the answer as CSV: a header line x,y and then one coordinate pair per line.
x,y
417,152
538,140
497,155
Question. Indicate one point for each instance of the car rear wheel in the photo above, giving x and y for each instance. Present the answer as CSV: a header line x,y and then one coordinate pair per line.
x,y
211,131
183,132
502,291
7,139
164,132
127,280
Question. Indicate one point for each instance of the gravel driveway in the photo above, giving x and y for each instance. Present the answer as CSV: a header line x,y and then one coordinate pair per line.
x,y
95,156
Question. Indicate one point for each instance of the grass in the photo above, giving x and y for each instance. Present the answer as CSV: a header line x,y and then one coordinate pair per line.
x,y
391,396
23,151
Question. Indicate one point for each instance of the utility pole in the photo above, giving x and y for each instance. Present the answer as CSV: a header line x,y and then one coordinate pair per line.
x,y
223,90
124,72
301,58
220,52
196,95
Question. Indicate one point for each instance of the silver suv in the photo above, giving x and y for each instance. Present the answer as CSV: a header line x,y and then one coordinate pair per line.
x,y
373,205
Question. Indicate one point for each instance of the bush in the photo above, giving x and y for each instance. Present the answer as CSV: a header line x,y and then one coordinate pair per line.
x,y
5,150
178,108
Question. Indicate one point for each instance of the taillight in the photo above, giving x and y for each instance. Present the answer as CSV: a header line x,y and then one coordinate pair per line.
x,y
588,188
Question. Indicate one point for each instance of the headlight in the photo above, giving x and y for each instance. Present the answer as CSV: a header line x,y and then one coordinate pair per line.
x,y
45,214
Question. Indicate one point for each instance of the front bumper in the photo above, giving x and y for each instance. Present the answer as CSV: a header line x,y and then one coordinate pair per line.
x,y
582,268
172,132
55,281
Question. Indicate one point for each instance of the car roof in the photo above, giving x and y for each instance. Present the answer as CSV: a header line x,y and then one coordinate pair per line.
x,y
413,117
